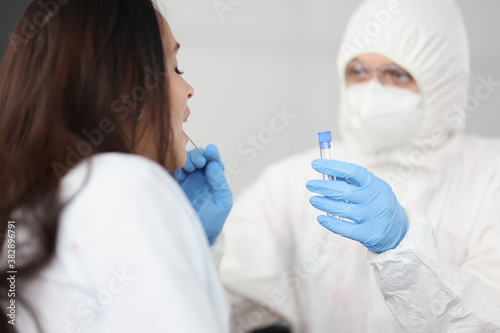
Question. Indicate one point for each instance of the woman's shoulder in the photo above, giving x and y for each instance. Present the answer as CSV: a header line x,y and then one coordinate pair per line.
x,y
117,189
114,193
114,173
112,166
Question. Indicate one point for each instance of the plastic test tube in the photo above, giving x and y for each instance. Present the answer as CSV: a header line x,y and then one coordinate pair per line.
x,y
326,151
325,148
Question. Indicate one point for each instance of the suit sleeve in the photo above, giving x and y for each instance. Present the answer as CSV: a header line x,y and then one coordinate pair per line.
x,y
425,295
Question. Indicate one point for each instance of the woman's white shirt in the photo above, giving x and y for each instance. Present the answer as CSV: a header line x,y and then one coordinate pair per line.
x,y
131,256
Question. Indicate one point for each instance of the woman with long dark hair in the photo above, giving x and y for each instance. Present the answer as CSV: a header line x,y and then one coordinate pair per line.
x,y
96,235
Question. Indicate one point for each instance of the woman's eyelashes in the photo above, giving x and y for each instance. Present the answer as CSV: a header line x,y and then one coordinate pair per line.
x,y
178,71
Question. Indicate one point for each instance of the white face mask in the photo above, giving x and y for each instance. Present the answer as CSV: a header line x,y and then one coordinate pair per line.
x,y
382,117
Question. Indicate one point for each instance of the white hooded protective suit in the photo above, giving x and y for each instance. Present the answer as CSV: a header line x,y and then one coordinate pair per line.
x,y
444,276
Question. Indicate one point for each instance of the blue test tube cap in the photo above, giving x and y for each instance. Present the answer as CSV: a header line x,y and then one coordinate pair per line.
x,y
325,136
325,139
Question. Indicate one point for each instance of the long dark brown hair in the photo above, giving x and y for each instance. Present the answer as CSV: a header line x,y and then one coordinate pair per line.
x,y
73,83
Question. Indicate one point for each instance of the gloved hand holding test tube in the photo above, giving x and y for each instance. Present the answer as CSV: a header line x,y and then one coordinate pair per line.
x,y
371,212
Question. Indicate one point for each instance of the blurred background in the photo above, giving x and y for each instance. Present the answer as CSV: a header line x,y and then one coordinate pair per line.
x,y
264,72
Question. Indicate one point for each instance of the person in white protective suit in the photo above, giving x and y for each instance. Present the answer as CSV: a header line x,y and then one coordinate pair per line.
x,y
423,252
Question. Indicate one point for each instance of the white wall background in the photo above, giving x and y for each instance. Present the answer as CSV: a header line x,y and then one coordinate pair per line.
x,y
273,54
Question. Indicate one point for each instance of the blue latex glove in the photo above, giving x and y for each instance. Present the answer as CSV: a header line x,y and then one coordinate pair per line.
x,y
380,222
205,184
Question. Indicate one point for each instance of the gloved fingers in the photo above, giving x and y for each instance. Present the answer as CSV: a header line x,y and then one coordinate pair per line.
x,y
196,186
212,154
180,175
338,208
350,172
218,182
197,159
338,190
358,232
189,166
340,227
215,176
